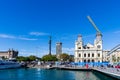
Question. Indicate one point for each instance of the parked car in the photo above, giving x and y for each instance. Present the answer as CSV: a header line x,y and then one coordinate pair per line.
x,y
117,66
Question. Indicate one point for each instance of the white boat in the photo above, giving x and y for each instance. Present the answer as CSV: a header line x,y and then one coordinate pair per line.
x,y
6,64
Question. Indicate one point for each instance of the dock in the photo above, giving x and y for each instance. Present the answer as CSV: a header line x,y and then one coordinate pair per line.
x,y
73,68
112,72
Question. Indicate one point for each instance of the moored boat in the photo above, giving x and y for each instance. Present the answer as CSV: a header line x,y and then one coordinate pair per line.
x,y
6,64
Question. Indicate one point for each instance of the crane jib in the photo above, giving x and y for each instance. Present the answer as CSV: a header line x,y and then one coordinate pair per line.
x,y
91,21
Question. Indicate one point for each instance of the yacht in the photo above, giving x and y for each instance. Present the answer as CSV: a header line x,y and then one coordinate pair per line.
x,y
7,64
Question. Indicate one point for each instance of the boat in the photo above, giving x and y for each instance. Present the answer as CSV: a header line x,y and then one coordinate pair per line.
x,y
8,64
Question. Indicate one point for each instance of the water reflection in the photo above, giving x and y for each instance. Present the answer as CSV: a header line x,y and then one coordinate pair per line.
x,y
43,74
91,76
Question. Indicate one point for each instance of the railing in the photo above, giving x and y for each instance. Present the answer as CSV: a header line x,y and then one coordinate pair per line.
x,y
114,49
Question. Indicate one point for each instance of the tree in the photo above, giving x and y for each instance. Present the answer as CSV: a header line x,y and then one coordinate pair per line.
x,y
29,58
3,57
71,59
49,58
22,58
32,58
64,57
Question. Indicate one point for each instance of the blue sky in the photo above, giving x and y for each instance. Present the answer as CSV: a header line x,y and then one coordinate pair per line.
x,y
26,24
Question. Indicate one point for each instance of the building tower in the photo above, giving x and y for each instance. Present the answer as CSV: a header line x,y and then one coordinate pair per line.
x,y
98,41
58,48
78,49
79,42
50,45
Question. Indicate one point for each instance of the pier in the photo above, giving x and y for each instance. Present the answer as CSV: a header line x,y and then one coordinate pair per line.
x,y
112,72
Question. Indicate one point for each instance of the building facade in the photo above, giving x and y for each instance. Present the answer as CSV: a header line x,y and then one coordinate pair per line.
x,y
58,48
114,57
9,54
89,52
93,53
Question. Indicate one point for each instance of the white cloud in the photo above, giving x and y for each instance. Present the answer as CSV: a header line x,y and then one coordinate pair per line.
x,y
21,53
29,39
117,32
15,37
44,51
38,33
7,36
38,53
68,50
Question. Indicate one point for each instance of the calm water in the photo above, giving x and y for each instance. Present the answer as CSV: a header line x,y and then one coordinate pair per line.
x,y
42,74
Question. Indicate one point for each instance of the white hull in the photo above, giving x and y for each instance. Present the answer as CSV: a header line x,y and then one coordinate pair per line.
x,y
10,66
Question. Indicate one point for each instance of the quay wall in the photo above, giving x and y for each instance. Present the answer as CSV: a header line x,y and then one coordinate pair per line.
x,y
114,74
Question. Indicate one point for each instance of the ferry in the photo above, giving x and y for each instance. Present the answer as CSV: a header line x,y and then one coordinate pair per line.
x,y
8,64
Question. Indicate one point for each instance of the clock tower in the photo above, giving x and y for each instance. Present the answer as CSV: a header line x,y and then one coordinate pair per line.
x,y
98,41
79,42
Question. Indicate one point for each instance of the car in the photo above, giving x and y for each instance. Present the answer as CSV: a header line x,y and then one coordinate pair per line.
x,y
117,66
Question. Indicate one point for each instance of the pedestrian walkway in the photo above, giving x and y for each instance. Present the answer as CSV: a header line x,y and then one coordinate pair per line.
x,y
109,71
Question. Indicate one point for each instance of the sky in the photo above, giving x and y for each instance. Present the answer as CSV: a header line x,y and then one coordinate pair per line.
x,y
25,25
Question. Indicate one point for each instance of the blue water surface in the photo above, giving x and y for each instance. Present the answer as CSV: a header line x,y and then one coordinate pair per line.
x,y
46,74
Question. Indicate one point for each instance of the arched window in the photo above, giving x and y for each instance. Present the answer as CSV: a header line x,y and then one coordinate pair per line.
x,y
92,54
79,55
88,54
85,60
92,60
84,54
88,60
98,54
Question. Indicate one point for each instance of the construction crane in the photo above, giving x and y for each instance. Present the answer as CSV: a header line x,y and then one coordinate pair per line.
x,y
91,21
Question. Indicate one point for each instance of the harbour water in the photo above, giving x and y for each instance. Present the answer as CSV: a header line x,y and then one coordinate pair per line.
x,y
50,74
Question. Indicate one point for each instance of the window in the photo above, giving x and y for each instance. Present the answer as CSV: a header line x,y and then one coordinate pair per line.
x,y
84,60
99,46
98,54
88,60
85,55
88,54
79,55
92,54
79,47
92,60
88,47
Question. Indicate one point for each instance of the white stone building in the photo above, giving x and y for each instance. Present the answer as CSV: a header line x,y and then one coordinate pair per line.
x,y
89,52
93,53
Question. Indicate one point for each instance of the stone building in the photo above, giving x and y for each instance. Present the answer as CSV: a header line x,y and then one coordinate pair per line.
x,y
89,52
9,54
93,53
114,57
